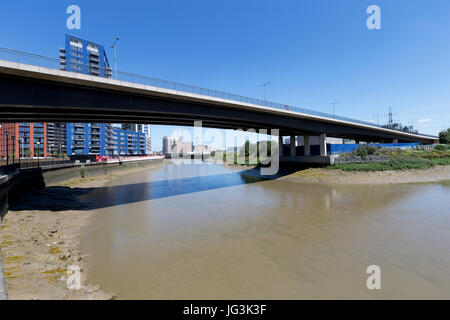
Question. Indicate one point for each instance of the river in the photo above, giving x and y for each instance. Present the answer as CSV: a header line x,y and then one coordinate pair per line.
x,y
210,232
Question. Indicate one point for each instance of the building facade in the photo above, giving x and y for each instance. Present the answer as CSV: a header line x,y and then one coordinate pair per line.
x,y
167,144
127,142
89,139
85,57
143,128
23,140
56,138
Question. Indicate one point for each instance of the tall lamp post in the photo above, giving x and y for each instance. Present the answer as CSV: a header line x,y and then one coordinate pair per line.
x,y
264,86
7,147
38,144
20,153
115,56
334,103
13,138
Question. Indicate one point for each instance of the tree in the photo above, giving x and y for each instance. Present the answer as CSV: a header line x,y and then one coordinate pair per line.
x,y
444,136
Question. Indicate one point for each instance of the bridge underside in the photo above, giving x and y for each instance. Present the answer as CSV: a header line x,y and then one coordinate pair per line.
x,y
34,100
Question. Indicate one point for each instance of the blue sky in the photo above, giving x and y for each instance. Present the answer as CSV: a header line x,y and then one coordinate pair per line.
x,y
313,51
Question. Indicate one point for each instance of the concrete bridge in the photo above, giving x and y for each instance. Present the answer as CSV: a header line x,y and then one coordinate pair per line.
x,y
32,93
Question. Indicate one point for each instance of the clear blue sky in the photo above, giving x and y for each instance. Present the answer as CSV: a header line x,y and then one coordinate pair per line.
x,y
313,51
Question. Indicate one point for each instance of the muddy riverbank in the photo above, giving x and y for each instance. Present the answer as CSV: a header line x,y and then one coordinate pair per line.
x,y
327,176
39,240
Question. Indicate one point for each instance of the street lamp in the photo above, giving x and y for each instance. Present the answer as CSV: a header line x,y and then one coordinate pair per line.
x,y
115,56
38,144
264,86
13,138
334,103
7,147
21,154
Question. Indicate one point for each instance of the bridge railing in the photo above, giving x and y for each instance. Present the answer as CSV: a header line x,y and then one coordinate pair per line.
x,y
71,64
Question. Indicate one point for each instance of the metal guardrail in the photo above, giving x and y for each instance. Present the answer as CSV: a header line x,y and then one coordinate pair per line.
x,y
54,63
29,164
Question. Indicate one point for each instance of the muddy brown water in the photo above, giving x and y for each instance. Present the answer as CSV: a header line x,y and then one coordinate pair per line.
x,y
209,232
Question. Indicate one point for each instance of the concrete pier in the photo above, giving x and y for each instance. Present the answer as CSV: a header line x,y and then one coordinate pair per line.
x,y
307,146
292,142
280,145
323,145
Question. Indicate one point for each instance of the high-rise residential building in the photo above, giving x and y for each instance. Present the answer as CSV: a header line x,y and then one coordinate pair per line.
x,y
56,138
144,128
89,139
23,139
167,144
127,142
87,57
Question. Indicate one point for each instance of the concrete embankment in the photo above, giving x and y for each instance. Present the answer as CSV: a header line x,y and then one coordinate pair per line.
x,y
29,179
4,180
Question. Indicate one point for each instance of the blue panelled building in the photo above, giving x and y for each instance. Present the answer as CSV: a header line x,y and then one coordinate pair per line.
x,y
83,139
129,142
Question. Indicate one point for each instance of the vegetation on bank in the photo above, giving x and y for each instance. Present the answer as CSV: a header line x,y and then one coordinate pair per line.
x,y
444,136
399,159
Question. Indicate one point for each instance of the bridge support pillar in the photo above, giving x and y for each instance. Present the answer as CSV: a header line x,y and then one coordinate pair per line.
x,y
323,144
280,145
307,146
293,151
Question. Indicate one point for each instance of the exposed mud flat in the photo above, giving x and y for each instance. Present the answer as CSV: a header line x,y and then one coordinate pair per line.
x,y
327,176
39,241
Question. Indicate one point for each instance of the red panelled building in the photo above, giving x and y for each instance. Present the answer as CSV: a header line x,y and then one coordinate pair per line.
x,y
23,139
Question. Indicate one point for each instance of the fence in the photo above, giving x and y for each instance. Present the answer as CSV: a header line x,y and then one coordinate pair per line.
x,y
30,163
69,65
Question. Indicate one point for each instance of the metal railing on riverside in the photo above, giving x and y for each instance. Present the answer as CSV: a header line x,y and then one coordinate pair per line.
x,y
11,166
71,64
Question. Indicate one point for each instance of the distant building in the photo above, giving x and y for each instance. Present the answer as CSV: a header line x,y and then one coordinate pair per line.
x,y
182,147
202,149
143,128
128,142
23,139
167,144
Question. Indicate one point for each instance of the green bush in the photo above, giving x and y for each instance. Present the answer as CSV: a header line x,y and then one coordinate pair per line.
x,y
365,150
441,147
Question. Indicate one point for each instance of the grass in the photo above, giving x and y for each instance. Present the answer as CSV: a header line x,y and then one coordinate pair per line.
x,y
399,159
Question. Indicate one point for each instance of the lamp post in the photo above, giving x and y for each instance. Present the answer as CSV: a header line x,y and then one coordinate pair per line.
x,y
13,138
7,147
38,144
20,153
334,103
115,56
264,86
